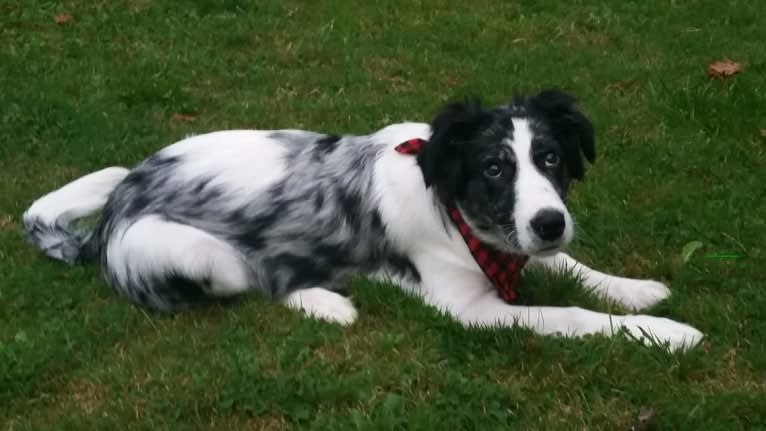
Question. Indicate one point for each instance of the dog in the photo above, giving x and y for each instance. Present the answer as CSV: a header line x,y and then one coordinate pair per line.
x,y
293,213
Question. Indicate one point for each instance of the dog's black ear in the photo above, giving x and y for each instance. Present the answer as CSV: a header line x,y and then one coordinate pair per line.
x,y
441,159
570,127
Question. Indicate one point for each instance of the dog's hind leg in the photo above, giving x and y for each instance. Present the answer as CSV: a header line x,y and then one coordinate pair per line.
x,y
163,264
322,304
47,223
632,293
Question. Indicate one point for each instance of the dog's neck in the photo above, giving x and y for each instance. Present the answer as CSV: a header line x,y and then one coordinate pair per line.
x,y
501,268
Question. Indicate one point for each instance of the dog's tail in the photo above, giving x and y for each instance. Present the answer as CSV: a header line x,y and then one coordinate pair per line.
x,y
48,222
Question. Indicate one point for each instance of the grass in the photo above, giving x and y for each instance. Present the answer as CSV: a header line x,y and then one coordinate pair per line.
x,y
681,158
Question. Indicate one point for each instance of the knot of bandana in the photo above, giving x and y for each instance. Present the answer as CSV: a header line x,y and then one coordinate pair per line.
x,y
502,269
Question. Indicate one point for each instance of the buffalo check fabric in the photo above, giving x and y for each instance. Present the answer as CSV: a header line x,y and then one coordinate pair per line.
x,y
502,269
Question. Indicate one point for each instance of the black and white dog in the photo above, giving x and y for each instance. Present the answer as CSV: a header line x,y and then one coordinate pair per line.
x,y
292,213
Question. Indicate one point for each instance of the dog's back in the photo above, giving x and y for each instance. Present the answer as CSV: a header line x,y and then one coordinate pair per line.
x,y
218,214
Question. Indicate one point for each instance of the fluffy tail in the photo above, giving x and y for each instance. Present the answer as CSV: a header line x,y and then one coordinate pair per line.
x,y
47,222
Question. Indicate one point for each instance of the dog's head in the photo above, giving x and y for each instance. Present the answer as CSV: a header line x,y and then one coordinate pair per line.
x,y
508,168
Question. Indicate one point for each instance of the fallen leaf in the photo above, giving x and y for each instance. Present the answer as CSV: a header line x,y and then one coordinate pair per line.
x,y
644,420
62,18
723,69
6,221
452,80
21,337
763,133
622,86
706,346
689,249
186,118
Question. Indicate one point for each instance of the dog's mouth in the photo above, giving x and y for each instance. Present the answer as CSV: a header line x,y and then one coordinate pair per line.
x,y
540,250
504,237
547,250
507,241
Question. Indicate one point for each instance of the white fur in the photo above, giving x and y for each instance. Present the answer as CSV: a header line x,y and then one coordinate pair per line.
x,y
322,304
153,246
247,163
575,322
631,293
534,192
79,198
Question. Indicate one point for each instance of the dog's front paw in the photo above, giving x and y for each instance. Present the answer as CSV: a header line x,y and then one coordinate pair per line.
x,y
638,294
323,304
661,331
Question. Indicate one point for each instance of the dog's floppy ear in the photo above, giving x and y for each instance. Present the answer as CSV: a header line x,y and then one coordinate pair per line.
x,y
441,159
570,127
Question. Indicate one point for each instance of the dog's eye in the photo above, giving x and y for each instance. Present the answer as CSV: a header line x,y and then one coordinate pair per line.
x,y
552,160
493,170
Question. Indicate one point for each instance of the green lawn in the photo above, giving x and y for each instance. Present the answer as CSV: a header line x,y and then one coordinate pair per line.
x,y
681,158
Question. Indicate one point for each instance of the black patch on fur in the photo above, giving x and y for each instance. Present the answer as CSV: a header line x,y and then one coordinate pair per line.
x,y
332,254
137,205
209,196
142,298
136,178
160,182
377,222
318,200
89,252
255,230
351,205
326,145
570,127
277,191
160,161
181,290
303,271
173,196
403,267
466,140
442,158
200,187
237,217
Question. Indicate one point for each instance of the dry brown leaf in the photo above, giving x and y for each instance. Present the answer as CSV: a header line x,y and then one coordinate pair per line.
x,y
6,221
452,80
186,118
623,86
644,420
723,69
86,395
62,18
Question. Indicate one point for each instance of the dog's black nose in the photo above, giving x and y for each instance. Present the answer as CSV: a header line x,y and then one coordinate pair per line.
x,y
548,224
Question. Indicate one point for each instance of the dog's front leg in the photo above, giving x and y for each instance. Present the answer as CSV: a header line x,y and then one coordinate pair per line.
x,y
465,294
488,310
632,293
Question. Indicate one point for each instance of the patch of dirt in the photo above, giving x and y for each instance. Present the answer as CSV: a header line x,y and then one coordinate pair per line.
x,y
723,69
6,222
86,395
266,423
390,71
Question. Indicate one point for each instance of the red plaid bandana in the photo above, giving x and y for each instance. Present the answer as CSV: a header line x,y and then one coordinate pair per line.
x,y
502,269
